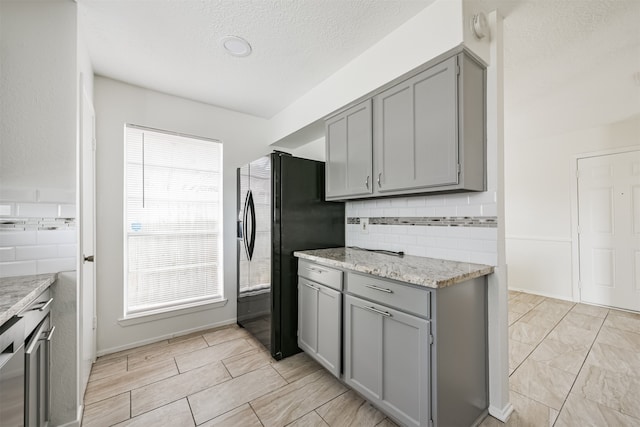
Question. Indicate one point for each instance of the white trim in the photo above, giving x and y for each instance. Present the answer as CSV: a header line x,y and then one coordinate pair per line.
x,y
165,337
501,414
575,245
136,319
541,238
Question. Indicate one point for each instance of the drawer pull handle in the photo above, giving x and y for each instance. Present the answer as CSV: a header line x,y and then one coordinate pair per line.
x,y
317,270
312,287
50,334
376,288
44,305
375,310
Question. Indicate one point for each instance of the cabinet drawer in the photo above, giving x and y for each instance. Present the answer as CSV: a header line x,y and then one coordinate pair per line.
x,y
320,274
402,297
36,311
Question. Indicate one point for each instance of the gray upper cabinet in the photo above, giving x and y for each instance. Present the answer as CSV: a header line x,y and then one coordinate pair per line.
x,y
349,162
429,133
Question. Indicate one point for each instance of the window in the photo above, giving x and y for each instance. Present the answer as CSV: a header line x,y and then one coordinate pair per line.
x,y
173,215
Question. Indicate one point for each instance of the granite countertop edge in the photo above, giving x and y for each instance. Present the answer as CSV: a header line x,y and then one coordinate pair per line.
x,y
23,290
413,271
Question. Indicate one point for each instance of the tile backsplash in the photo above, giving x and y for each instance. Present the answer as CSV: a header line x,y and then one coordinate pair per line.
x,y
458,227
38,232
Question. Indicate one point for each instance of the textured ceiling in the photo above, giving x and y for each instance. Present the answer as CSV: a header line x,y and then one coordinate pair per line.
x,y
569,64
172,45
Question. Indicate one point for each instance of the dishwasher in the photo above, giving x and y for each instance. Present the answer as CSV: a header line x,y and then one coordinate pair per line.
x,y
25,345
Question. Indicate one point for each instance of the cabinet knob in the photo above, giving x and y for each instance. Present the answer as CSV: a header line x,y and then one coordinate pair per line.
x,y
379,177
366,183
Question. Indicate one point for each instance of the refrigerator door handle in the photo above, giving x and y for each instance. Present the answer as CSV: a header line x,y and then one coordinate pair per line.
x,y
245,211
252,242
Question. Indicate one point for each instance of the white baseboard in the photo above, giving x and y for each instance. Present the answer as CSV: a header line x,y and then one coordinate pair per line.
x,y
501,414
135,344
542,294
78,421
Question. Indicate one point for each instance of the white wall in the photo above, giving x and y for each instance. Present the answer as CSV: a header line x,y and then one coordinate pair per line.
x,y
538,186
243,139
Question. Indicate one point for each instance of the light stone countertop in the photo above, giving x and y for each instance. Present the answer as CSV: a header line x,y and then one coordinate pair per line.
x,y
17,293
428,272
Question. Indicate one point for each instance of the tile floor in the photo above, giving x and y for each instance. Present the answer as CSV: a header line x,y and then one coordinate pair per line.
x,y
569,365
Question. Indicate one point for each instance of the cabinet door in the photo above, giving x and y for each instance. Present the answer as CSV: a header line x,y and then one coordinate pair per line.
x,y
349,150
387,359
416,134
307,316
329,329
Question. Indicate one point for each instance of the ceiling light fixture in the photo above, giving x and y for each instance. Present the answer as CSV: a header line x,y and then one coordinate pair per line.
x,y
236,46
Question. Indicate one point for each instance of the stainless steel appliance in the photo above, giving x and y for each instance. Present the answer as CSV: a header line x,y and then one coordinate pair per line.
x,y
281,209
25,345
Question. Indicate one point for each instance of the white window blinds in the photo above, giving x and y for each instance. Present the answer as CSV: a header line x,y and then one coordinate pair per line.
x,y
173,234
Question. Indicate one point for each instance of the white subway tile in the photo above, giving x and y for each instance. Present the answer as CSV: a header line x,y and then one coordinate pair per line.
x,y
7,209
408,239
383,203
390,212
486,233
56,196
406,212
399,202
469,210
18,268
18,238
483,258
17,195
456,199
482,198
55,265
490,209
7,254
425,211
415,201
36,210
66,211
446,211
24,253
434,201
52,237
368,204
414,250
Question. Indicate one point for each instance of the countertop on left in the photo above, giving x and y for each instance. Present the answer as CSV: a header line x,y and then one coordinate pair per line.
x,y
17,293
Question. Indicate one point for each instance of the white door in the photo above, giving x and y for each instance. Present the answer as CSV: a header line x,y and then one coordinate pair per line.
x,y
609,229
87,234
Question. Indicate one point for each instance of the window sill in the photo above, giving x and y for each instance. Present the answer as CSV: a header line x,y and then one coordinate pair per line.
x,y
136,319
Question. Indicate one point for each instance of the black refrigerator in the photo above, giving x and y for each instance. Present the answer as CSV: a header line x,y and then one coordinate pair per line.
x,y
281,209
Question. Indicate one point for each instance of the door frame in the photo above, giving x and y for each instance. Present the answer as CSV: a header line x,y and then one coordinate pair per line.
x,y
575,239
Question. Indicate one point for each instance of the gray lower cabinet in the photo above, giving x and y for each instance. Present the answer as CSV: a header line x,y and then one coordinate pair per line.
x,y
387,359
319,326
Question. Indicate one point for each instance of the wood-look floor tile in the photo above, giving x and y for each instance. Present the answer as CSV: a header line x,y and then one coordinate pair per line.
x,y
513,294
349,409
223,397
241,416
312,419
296,399
295,367
174,414
195,334
177,387
578,411
625,322
513,316
247,362
387,423
620,392
215,353
542,383
542,319
583,321
527,333
529,298
555,306
219,336
619,338
560,355
521,306
167,352
623,313
590,310
120,383
107,367
615,359
107,412
142,348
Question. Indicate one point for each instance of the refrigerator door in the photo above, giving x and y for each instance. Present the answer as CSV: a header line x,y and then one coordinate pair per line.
x,y
254,249
302,220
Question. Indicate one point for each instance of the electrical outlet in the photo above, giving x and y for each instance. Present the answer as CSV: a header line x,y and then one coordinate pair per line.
x,y
364,225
